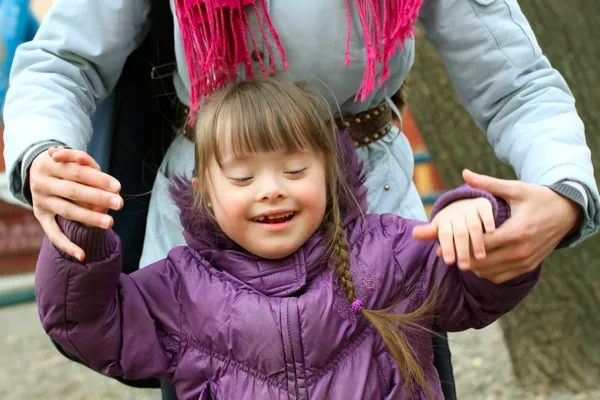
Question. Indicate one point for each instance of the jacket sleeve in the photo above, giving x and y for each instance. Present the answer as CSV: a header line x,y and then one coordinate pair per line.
x,y
120,325
59,77
460,299
509,87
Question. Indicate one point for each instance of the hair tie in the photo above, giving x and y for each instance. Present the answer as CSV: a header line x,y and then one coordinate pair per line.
x,y
357,306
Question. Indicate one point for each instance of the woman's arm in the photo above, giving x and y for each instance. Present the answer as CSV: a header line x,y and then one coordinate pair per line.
x,y
59,78
521,102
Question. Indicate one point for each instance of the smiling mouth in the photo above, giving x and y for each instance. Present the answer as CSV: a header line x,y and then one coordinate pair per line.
x,y
275,219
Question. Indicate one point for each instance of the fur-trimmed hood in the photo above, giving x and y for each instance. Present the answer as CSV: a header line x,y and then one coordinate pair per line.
x,y
202,234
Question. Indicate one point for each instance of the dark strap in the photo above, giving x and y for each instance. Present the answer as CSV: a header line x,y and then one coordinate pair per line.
x,y
369,126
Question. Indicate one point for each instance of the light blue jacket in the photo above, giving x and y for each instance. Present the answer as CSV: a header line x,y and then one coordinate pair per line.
x,y
522,104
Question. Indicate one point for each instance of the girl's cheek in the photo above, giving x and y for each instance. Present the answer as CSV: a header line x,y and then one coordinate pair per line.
x,y
313,196
230,208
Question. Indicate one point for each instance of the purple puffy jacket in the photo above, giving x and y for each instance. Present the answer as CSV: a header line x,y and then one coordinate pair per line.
x,y
221,323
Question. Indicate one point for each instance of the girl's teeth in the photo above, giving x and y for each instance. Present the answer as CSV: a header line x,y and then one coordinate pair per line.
x,y
272,217
279,216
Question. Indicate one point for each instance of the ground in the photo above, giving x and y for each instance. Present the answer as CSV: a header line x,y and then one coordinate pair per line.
x,y
30,367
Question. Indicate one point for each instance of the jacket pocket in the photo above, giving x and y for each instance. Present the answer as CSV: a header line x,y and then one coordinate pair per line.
x,y
209,391
509,28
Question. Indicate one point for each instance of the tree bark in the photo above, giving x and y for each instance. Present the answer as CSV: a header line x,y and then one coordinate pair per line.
x,y
554,335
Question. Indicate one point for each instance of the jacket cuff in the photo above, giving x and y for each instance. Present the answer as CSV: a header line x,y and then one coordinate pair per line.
x,y
97,243
580,195
500,207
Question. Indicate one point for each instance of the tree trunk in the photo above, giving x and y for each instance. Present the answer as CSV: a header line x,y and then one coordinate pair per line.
x,y
554,335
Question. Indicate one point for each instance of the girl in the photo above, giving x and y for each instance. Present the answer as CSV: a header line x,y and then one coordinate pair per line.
x,y
286,288
356,52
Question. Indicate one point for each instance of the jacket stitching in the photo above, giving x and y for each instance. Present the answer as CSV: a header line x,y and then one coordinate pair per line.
x,y
240,366
283,344
333,364
291,341
496,39
301,343
70,325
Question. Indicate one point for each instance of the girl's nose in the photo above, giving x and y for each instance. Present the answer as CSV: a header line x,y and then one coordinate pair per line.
x,y
271,190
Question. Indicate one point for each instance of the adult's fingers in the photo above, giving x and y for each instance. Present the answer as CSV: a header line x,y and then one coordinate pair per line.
x,y
79,193
507,189
44,167
74,212
505,235
86,175
75,156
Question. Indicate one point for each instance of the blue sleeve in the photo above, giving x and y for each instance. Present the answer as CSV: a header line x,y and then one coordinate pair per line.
x,y
509,87
58,79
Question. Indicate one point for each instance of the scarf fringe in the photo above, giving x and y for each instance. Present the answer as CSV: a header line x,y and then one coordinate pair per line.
x,y
383,36
217,36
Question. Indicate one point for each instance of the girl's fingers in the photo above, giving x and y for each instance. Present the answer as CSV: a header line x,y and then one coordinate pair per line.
x,y
446,238
486,214
57,237
461,242
476,234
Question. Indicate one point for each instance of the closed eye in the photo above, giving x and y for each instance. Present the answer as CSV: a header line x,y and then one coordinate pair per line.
x,y
296,173
240,181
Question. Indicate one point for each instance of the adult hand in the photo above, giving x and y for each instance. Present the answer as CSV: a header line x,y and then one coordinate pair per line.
x,y
69,183
540,220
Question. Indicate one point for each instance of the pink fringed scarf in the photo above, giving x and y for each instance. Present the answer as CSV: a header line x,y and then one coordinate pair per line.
x,y
215,40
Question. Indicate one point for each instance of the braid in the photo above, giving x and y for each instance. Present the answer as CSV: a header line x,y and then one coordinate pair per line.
x,y
386,322
342,261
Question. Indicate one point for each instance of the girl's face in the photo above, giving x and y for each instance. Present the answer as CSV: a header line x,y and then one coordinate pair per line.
x,y
270,203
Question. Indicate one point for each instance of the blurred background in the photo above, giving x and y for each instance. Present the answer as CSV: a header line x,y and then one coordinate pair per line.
x,y
549,348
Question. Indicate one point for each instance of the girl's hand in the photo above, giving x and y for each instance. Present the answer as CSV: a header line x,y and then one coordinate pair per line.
x,y
459,228
69,183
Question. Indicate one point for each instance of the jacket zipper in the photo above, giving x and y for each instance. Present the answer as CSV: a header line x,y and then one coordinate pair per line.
x,y
292,348
291,344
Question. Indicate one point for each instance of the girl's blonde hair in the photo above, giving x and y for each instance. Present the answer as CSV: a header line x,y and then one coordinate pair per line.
x,y
269,114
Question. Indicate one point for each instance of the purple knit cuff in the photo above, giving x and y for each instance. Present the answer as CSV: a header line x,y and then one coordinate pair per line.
x,y
500,207
96,242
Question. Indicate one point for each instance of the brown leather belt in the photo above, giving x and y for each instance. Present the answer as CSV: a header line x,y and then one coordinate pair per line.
x,y
364,128
368,126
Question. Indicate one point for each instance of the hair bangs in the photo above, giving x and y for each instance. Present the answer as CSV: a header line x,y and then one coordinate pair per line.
x,y
279,119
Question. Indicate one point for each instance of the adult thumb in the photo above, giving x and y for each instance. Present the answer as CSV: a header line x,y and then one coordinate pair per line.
x,y
507,189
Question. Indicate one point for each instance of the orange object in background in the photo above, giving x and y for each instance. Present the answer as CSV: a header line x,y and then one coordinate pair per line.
x,y
426,178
